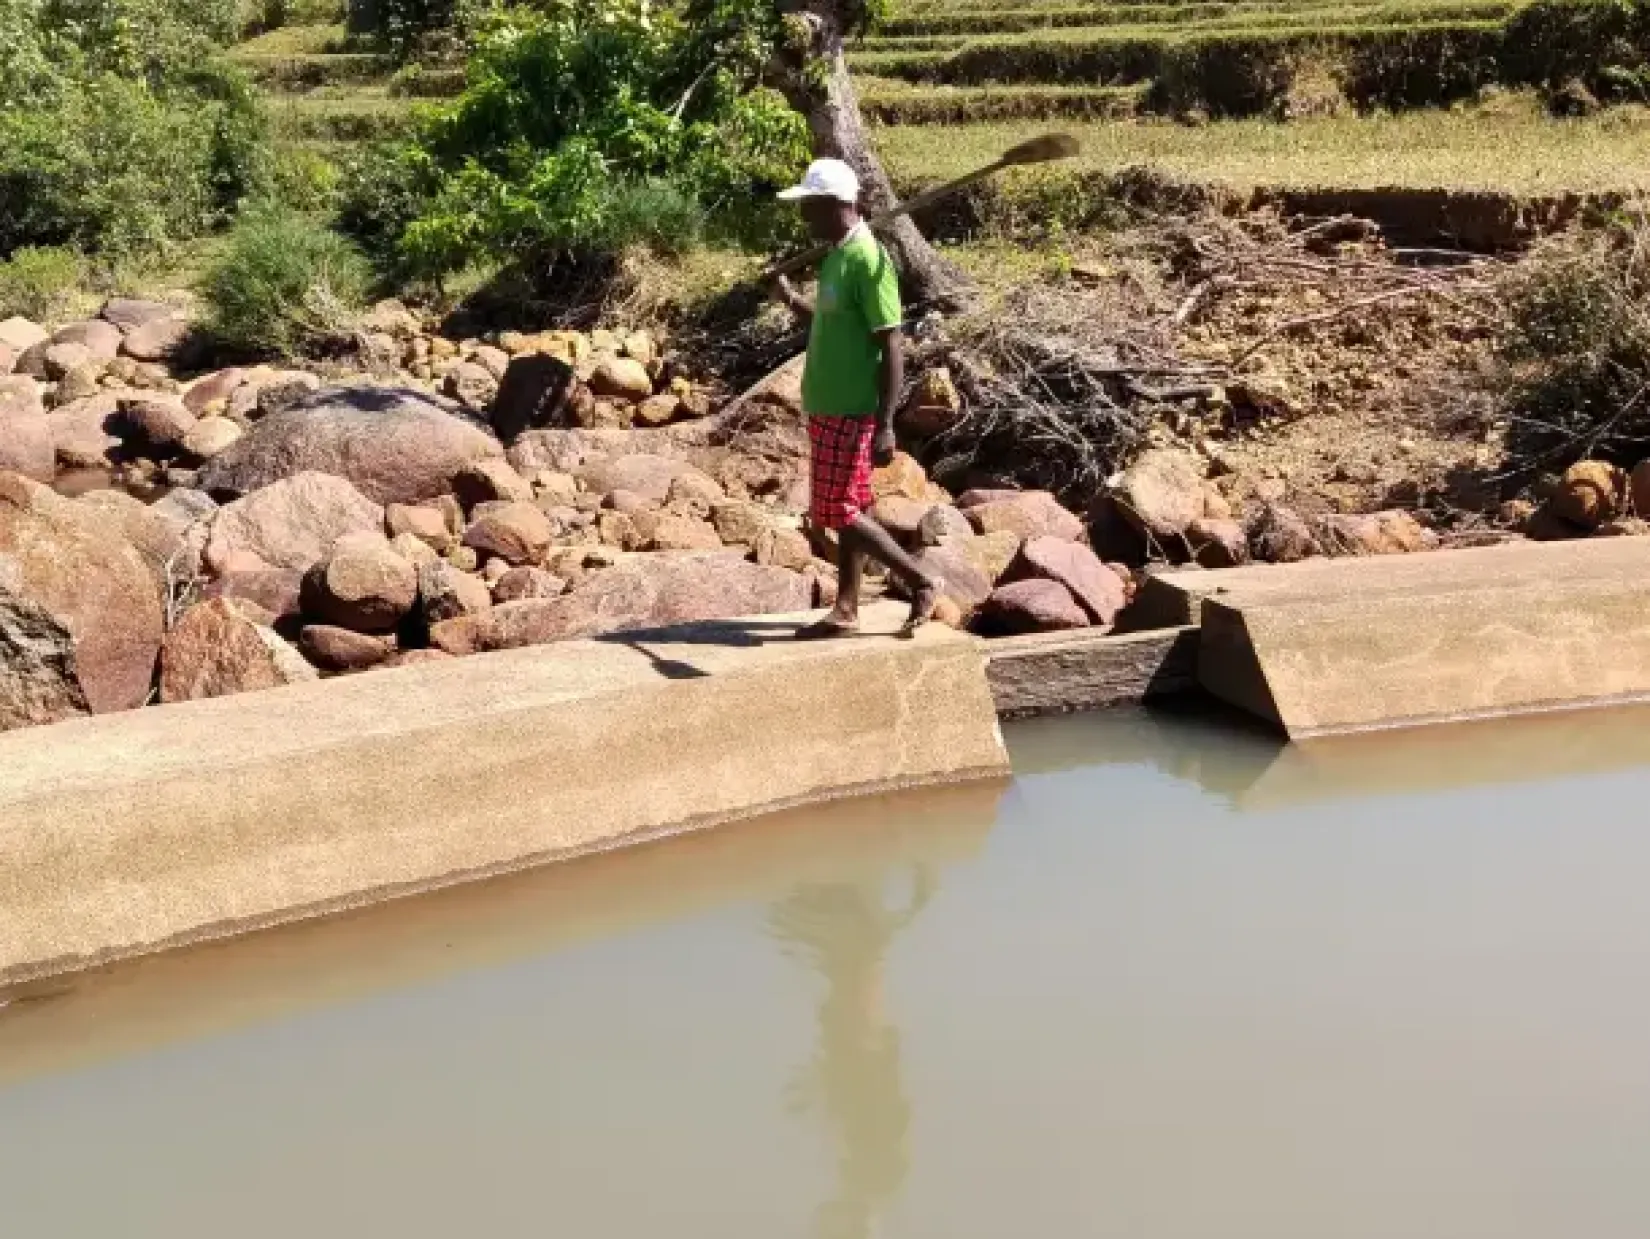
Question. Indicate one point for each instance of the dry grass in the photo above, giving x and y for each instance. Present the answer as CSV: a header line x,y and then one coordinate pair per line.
x,y
1512,147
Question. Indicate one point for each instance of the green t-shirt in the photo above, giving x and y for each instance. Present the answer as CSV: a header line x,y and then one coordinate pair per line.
x,y
858,295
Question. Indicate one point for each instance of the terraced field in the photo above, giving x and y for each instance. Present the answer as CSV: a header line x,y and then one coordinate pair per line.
x,y
1362,96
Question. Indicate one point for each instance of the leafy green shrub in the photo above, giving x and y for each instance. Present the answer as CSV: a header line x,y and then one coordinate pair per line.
x,y
585,125
1225,76
1574,373
39,283
1426,67
304,181
1602,44
284,285
120,129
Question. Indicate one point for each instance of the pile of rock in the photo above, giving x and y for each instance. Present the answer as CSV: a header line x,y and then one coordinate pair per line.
x,y
1593,498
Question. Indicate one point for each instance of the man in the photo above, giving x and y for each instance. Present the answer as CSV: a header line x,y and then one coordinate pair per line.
x,y
850,390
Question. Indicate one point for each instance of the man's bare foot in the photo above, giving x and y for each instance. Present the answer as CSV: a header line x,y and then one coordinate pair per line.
x,y
833,625
924,599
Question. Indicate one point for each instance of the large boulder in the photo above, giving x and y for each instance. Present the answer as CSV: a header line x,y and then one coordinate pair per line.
x,y
517,533
1590,493
966,583
1162,493
1030,605
445,593
159,339
1377,533
276,591
393,444
362,585
130,313
1217,543
73,564
339,649
645,592
82,432
100,339
490,481
157,536
292,523
621,378
1279,535
1028,513
39,681
210,438
1078,570
649,476
19,335
154,424
533,392
26,443
220,647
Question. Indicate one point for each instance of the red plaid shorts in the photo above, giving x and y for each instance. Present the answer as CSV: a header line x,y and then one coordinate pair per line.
x,y
840,482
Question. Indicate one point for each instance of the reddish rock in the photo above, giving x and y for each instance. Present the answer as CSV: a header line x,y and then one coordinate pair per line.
x,y
975,497
621,378
1162,493
1590,493
52,361
219,648
649,476
941,523
26,442
362,585
490,481
160,539
291,524
672,531
393,445
339,649
900,516
934,406
74,565
275,591
128,313
990,553
1280,536
1026,606
19,335
1217,543
740,523
658,410
414,658
517,533
645,592
965,583
152,423
784,548
523,584
429,524
211,437
159,339
82,435
100,339
471,385
1096,588
1030,514
535,391
208,391
905,478
445,593
627,502
1377,533
39,682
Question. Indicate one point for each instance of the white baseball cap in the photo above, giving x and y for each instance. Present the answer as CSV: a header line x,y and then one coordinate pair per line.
x,y
826,178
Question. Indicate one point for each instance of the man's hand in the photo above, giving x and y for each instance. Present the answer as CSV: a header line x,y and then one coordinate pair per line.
x,y
883,447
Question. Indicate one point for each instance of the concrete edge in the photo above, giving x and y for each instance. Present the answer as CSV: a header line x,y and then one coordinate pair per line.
x,y
1066,672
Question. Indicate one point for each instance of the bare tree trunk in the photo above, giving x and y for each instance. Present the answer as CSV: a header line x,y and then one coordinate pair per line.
x,y
927,280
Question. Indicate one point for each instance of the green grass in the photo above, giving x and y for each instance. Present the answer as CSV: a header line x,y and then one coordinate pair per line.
x,y
360,115
306,71
890,101
1133,22
1514,149
297,41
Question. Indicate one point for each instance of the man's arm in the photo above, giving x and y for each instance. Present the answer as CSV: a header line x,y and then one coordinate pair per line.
x,y
890,383
785,293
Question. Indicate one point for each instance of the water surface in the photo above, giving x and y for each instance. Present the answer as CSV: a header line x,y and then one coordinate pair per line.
x,y
1173,981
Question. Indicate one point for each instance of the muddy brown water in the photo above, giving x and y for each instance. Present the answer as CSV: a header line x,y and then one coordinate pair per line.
x,y
1172,982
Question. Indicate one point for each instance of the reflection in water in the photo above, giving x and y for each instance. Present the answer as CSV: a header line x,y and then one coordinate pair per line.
x,y
844,930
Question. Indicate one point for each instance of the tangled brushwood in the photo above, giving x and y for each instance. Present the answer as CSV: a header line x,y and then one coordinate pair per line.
x,y
1574,373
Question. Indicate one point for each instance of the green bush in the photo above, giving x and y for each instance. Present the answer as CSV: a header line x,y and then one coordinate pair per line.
x,y
585,126
1574,373
1225,76
285,285
39,283
121,130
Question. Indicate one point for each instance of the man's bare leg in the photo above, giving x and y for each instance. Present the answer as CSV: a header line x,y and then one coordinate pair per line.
x,y
879,544
843,618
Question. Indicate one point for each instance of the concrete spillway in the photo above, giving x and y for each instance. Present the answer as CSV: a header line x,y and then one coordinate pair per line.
x,y
1343,644
128,833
